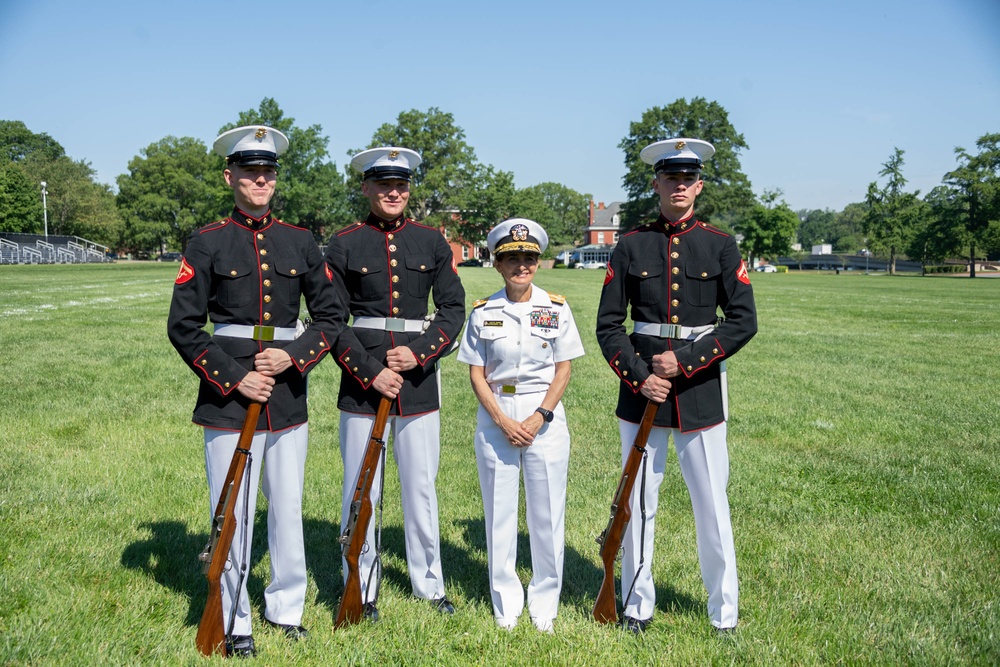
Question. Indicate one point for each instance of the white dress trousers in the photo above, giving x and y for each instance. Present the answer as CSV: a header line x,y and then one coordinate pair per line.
x,y
544,464
704,462
416,446
282,455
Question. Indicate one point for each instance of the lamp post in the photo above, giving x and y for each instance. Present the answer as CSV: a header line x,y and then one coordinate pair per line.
x,y
867,255
45,210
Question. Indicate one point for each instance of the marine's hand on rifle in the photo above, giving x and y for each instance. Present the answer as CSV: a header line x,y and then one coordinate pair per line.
x,y
656,388
665,365
400,359
388,383
256,386
272,361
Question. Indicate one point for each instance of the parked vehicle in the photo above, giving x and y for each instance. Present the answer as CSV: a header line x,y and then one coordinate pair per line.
x,y
591,265
471,262
766,268
169,257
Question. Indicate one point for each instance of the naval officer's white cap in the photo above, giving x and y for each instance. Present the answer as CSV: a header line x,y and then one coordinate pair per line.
x,y
387,162
679,155
517,235
251,144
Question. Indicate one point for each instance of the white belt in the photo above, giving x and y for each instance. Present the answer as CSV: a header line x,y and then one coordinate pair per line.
x,y
396,324
670,330
510,389
255,332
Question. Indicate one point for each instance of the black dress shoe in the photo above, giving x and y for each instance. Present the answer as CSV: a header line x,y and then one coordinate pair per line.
x,y
240,646
371,612
634,625
726,632
444,606
293,632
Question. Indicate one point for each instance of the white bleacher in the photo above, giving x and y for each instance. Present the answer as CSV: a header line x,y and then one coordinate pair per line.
x,y
10,252
30,255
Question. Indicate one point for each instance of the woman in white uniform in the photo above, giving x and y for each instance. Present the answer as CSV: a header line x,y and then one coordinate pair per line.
x,y
518,344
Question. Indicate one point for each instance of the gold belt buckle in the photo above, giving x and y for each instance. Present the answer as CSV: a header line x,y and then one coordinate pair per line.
x,y
263,333
509,389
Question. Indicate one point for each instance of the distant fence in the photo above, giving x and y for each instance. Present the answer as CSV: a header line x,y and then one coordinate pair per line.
x,y
51,249
847,263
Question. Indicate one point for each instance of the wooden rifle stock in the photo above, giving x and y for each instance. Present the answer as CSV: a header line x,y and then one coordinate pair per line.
x,y
606,605
212,629
351,607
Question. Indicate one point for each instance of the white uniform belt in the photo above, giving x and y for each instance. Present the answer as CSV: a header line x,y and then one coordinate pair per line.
x,y
396,324
509,389
255,332
669,330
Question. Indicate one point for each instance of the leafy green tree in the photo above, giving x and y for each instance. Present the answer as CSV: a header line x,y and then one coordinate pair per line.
x,y
977,182
727,189
447,176
20,200
491,200
847,235
311,191
769,228
173,187
77,204
562,211
817,227
18,143
893,215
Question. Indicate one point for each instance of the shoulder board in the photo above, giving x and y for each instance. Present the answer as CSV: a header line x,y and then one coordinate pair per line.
x,y
557,298
481,302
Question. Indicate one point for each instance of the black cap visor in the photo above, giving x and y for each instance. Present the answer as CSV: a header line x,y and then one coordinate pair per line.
x,y
678,166
386,173
250,158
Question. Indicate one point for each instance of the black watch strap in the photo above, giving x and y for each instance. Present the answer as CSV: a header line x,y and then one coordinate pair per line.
x,y
546,414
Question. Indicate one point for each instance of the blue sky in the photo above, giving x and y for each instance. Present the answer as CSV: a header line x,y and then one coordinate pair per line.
x,y
821,91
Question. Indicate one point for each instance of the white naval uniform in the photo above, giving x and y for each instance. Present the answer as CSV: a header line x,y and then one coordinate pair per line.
x,y
704,462
282,455
416,446
518,344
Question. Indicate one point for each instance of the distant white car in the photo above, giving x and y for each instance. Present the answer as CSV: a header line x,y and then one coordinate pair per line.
x,y
766,268
591,265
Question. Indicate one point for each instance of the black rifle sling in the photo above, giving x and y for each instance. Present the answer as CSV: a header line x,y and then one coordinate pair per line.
x,y
243,545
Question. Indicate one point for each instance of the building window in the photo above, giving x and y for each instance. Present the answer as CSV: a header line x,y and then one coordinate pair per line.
x,y
614,238
465,252
600,237
615,220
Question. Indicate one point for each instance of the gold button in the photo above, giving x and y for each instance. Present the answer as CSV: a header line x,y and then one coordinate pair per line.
x,y
675,287
674,319
433,347
314,352
293,272
366,380
267,283
227,385
364,269
390,237
421,356
689,368
715,350
675,302
263,251
215,372
260,237
232,273
392,247
302,361
264,267
422,267
616,362
625,373
395,279
347,360
395,311
440,340
322,344
675,241
267,316
267,298
395,295
644,274
704,275
635,383
703,358
355,369
204,362
675,270
393,263
675,254
684,225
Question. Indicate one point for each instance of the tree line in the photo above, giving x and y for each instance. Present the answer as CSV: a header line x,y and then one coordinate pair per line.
x,y
174,186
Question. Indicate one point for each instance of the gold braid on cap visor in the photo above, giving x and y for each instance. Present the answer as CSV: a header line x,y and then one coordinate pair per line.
x,y
518,246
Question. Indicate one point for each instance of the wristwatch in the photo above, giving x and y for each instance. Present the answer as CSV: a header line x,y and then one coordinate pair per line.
x,y
546,414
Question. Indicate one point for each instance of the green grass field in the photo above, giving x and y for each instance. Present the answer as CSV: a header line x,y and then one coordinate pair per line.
x,y
864,447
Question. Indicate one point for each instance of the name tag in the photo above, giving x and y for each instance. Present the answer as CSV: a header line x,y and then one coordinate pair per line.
x,y
493,323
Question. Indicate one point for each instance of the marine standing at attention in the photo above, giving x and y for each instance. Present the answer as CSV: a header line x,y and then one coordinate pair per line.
x,y
390,266
676,274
